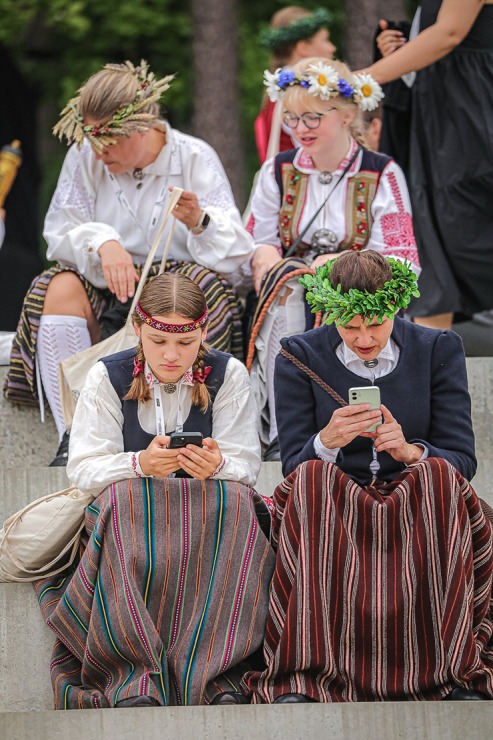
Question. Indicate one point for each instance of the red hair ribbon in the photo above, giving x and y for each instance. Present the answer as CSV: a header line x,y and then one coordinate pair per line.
x,y
138,368
201,376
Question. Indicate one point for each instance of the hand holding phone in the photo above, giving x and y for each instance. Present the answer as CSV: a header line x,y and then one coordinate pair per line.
x,y
366,394
199,458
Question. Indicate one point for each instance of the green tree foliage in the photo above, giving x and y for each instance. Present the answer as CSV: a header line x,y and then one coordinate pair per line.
x,y
59,43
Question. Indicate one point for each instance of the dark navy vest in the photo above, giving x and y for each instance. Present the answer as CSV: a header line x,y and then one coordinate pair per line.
x,y
120,367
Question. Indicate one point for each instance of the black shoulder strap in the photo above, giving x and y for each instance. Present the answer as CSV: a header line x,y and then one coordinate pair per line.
x,y
280,159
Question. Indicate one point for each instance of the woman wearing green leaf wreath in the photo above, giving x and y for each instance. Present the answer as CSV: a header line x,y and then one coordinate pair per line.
x,y
382,584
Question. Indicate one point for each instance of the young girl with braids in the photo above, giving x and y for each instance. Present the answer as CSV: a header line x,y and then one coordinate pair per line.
x,y
176,561
329,195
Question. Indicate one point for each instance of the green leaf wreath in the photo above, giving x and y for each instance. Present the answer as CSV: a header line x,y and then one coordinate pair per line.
x,y
341,307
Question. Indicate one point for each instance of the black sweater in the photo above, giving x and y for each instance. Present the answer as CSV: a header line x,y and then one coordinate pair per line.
x,y
426,392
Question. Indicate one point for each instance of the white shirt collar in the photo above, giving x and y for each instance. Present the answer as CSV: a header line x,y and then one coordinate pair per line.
x,y
304,163
387,360
152,381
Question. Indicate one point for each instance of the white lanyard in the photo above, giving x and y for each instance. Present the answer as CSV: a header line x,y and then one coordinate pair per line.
x,y
158,408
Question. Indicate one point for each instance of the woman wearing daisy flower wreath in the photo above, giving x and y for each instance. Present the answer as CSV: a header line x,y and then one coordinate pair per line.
x,y
170,596
383,577
294,33
329,195
105,214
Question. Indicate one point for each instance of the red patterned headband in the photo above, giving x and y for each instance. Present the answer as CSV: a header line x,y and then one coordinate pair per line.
x,y
173,328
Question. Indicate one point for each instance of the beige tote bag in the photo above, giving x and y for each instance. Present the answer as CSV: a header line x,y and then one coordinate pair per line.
x,y
73,370
42,539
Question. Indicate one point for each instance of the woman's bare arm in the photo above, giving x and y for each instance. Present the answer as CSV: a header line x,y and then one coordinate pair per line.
x,y
453,23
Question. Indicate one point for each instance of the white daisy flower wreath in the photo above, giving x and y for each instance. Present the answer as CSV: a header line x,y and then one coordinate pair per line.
x,y
323,80
370,91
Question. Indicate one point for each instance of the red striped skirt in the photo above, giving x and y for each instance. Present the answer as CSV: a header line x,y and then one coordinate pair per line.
x,y
379,593
169,599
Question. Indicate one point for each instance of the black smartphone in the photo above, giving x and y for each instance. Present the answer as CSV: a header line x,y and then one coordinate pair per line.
x,y
402,26
182,439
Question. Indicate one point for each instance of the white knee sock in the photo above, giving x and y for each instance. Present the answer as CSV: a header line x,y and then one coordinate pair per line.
x,y
58,337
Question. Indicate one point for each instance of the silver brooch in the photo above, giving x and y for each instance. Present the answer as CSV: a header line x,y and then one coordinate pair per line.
x,y
169,387
325,241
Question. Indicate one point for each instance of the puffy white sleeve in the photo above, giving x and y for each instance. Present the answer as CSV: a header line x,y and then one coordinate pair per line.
x,y
392,231
96,456
266,203
225,244
72,234
234,426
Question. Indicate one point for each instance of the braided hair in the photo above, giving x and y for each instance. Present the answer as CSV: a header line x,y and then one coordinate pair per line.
x,y
163,295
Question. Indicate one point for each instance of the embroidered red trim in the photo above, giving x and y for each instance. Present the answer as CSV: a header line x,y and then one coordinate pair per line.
x,y
134,465
171,328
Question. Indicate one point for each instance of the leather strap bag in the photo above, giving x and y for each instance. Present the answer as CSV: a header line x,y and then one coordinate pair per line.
x,y
327,388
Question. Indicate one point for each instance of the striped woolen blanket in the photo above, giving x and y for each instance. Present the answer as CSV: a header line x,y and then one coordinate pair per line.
x,y
169,598
379,593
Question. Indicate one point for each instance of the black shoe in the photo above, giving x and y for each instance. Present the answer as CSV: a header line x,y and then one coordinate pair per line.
x,y
137,701
292,699
61,456
459,694
272,451
230,697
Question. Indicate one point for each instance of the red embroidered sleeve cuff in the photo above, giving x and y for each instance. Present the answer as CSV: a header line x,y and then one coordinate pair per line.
x,y
138,473
219,468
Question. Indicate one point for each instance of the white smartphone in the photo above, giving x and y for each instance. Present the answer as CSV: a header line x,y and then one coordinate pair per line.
x,y
367,394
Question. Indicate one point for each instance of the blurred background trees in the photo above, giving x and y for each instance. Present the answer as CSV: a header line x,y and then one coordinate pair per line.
x,y
211,45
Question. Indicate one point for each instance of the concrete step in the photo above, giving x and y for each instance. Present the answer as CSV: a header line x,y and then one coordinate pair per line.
x,y
427,721
21,625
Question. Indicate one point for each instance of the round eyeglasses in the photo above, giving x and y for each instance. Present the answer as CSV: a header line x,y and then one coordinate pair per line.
x,y
310,120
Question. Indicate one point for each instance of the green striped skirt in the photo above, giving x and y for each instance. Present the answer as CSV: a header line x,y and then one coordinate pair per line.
x,y
169,598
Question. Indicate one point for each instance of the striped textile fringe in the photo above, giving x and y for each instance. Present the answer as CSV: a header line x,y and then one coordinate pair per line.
x,y
378,593
169,599
224,330
274,280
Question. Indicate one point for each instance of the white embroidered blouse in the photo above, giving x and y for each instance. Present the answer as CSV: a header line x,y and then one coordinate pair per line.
x,y
97,457
391,231
91,206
